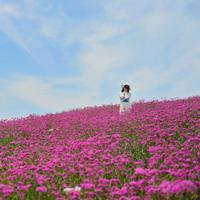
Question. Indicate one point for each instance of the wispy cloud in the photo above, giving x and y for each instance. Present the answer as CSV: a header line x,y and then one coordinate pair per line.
x,y
9,10
45,93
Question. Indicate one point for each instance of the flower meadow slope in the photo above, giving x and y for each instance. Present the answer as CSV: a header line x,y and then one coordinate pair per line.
x,y
150,153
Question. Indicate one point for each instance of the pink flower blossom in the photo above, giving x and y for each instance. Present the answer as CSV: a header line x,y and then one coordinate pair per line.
x,y
41,189
87,185
167,187
25,187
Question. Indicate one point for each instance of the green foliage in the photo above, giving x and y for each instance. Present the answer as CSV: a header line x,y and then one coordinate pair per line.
x,y
74,179
134,148
6,140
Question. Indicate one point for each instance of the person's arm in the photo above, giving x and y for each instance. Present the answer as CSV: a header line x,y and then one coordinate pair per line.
x,y
127,96
122,95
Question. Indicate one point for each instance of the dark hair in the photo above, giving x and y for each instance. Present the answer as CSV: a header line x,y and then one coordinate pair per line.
x,y
127,87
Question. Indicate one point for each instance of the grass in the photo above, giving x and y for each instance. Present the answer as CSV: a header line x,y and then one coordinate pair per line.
x,y
6,140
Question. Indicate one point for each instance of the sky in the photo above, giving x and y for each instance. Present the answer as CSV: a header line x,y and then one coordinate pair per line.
x,y
61,55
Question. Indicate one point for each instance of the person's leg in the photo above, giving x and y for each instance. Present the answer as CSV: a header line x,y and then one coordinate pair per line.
x,y
127,107
121,108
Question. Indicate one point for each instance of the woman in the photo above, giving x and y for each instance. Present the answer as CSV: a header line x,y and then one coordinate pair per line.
x,y
125,96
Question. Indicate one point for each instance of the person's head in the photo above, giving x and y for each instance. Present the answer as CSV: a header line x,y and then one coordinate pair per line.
x,y
126,88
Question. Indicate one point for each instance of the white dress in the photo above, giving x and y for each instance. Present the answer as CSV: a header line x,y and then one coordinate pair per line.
x,y
125,104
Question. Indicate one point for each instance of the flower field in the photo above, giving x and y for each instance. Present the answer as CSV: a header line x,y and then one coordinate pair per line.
x,y
153,152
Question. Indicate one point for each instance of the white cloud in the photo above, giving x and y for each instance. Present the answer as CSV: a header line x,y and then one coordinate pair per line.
x,y
50,94
48,30
8,10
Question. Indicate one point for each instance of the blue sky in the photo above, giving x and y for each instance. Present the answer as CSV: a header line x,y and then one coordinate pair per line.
x,y
66,54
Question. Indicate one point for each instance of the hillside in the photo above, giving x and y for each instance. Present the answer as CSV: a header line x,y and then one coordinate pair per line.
x,y
151,153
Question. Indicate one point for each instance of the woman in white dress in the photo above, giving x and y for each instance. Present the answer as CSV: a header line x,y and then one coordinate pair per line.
x,y
125,96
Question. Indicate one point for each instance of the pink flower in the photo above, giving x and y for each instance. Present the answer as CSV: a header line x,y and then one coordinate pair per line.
x,y
151,190
87,185
104,181
116,135
114,180
137,184
74,195
141,171
135,198
167,187
119,192
153,149
123,190
41,189
25,187
7,191
107,156
33,167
